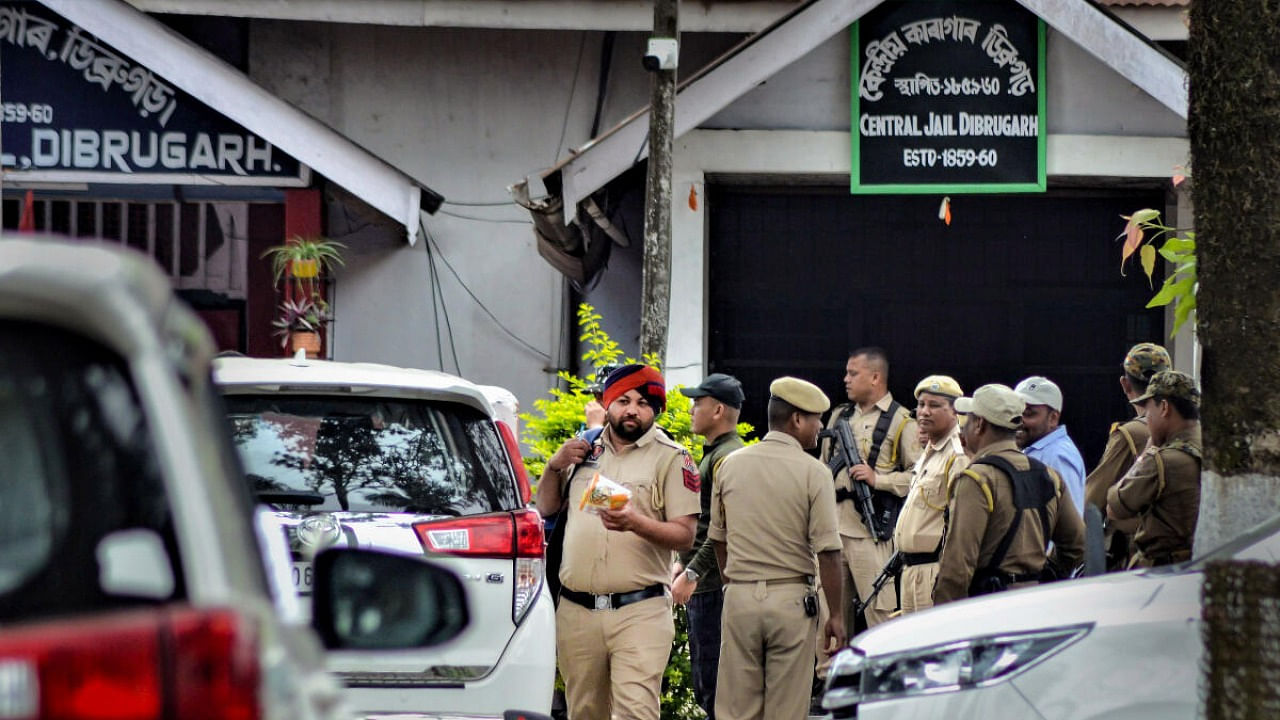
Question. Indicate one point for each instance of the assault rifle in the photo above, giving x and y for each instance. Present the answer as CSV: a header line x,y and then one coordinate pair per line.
x,y
844,455
892,569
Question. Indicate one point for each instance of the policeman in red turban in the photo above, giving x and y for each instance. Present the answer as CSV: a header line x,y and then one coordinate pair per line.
x,y
613,622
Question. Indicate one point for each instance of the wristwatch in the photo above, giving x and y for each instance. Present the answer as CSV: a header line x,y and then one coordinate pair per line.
x,y
691,575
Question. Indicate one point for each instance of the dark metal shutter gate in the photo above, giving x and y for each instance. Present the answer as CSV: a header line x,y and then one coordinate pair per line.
x,y
1017,285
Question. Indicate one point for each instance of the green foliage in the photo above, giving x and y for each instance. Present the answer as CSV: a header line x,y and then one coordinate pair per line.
x,y
1181,285
677,680
326,253
306,310
559,417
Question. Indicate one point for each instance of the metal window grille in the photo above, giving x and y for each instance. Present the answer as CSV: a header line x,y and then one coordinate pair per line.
x,y
199,245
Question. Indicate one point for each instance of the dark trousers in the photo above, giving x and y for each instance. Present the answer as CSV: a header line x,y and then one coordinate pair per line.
x,y
704,646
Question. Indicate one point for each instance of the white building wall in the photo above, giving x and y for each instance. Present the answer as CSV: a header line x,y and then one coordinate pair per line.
x,y
469,111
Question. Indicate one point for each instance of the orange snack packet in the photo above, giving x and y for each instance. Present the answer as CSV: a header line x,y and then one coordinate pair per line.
x,y
603,494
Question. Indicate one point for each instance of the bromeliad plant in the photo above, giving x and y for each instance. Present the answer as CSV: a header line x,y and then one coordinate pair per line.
x,y
304,310
1178,247
306,315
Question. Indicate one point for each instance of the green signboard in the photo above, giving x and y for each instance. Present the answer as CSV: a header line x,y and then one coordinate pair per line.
x,y
948,96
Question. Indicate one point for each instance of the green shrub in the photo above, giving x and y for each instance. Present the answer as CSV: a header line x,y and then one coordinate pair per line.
x,y
559,417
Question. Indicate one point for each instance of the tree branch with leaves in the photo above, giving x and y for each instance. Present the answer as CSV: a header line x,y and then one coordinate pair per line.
x,y
1178,247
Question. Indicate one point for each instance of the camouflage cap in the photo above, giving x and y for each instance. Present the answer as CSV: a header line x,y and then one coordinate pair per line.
x,y
1171,384
1146,359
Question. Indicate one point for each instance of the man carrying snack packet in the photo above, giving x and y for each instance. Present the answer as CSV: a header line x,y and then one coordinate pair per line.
x,y
633,497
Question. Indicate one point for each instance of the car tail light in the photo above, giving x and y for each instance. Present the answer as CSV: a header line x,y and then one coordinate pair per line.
x,y
215,666
517,462
516,535
530,547
135,665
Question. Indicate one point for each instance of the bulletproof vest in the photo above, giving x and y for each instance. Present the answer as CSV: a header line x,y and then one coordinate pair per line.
x,y
885,504
1033,488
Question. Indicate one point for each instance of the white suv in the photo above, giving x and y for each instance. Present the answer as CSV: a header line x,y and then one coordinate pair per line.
x,y
1121,645
415,462
135,580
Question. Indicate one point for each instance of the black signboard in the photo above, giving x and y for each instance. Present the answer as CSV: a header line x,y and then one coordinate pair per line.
x,y
948,96
76,110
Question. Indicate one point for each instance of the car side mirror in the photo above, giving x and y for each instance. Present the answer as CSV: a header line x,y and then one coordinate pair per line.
x,y
367,600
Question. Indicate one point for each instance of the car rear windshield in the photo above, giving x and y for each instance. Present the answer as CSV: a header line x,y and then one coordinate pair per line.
x,y
372,455
79,467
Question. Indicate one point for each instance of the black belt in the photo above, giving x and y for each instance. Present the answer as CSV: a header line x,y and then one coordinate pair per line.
x,y
794,580
909,559
612,601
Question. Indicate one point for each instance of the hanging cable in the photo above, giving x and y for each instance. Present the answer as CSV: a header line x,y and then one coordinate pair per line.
x,y
602,86
435,313
436,289
461,216
573,88
448,324
431,241
479,203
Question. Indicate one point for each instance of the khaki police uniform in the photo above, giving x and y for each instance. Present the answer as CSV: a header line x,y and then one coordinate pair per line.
x,y
918,536
864,556
774,508
1124,444
612,658
980,512
1162,491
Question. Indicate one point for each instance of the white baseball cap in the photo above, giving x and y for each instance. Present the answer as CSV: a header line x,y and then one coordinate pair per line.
x,y
1037,390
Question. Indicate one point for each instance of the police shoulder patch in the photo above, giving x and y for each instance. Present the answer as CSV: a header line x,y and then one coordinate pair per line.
x,y
692,480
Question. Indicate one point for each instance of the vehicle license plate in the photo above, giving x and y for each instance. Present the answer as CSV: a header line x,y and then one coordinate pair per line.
x,y
302,577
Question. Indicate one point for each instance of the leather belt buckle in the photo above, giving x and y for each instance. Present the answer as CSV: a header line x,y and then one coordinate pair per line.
x,y
602,602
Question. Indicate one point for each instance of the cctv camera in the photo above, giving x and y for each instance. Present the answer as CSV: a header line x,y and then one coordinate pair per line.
x,y
662,54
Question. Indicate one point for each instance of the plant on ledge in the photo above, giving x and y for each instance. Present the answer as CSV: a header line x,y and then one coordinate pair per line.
x,y
305,257
299,324
304,312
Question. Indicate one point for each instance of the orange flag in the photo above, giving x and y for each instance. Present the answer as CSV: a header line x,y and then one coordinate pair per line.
x,y
944,210
693,197
27,221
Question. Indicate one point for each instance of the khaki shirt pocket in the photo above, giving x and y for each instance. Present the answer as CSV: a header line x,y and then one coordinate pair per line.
x,y
641,495
932,493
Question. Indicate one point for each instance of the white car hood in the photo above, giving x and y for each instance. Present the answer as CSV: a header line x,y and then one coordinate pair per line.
x,y
1117,598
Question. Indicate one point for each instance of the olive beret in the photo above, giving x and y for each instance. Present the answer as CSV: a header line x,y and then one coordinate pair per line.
x,y
802,394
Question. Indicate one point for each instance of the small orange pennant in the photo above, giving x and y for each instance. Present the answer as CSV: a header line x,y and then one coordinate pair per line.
x,y
693,197
27,219
944,210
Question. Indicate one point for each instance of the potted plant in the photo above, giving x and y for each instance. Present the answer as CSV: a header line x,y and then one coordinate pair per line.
x,y
305,257
300,323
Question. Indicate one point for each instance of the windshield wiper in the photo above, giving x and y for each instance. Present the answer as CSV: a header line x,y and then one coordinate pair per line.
x,y
290,497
